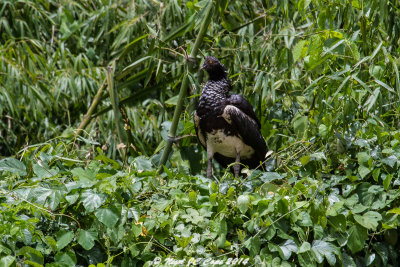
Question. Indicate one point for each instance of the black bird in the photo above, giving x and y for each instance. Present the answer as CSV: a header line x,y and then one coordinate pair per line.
x,y
226,125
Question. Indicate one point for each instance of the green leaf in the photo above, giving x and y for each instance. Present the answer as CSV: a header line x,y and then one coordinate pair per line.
x,y
390,161
43,171
338,222
13,165
267,177
181,30
300,125
357,237
64,237
363,171
253,245
382,250
172,101
323,249
192,196
192,216
298,50
387,179
287,247
136,229
107,216
363,158
92,200
390,89
369,220
348,261
86,239
142,164
65,258
305,247
137,62
87,178
323,130
7,261
32,255
243,203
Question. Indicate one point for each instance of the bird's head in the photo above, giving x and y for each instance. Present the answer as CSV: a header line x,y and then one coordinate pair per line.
x,y
216,70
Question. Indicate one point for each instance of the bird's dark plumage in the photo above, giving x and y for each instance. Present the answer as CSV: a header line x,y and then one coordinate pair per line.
x,y
227,126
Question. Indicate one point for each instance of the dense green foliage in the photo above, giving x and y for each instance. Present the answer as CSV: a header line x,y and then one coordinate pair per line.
x,y
323,78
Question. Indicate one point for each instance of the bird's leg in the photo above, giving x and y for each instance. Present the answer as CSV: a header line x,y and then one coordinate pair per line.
x,y
210,155
236,168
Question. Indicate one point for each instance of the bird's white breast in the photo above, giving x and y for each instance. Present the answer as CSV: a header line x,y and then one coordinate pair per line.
x,y
228,145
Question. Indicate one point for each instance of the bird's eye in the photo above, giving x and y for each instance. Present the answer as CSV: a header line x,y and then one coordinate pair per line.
x,y
210,61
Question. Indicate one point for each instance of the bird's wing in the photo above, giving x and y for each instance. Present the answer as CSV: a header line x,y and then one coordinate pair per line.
x,y
240,102
247,127
199,134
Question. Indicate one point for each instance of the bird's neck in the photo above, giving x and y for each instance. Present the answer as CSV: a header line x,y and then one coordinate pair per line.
x,y
218,88
217,74
213,97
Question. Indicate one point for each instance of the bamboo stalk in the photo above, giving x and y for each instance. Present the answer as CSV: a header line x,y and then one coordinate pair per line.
x,y
184,85
88,116
122,136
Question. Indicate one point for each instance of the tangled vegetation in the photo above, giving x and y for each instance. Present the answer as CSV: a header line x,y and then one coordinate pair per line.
x,y
322,76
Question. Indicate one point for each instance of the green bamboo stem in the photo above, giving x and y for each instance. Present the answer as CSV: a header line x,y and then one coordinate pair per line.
x,y
117,114
88,116
184,85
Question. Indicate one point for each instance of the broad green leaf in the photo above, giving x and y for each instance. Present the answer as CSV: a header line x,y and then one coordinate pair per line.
x,y
382,250
267,177
323,130
357,237
7,261
91,200
287,247
142,164
12,165
32,255
323,249
243,203
305,247
363,171
390,161
368,220
348,260
86,178
64,237
338,222
53,198
136,229
223,228
363,158
44,171
192,216
300,125
107,216
86,239
253,245
387,179
65,258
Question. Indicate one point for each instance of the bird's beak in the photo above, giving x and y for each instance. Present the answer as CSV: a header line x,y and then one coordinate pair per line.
x,y
203,66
